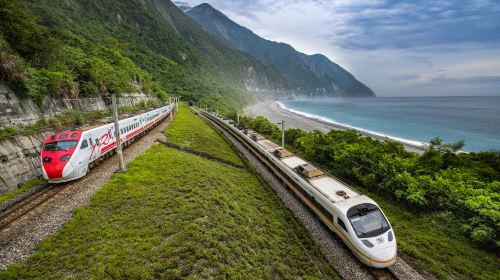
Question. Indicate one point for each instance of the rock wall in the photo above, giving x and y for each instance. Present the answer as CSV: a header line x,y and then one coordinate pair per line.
x,y
15,111
19,156
20,160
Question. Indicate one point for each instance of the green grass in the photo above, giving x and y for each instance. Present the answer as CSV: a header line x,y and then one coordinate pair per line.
x,y
25,187
175,215
188,130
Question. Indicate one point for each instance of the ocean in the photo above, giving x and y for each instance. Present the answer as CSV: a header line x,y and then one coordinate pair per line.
x,y
413,119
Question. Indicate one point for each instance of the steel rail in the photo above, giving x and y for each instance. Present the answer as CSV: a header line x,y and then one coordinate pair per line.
x,y
27,205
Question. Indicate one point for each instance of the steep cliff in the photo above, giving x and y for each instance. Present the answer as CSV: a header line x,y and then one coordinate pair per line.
x,y
305,74
159,38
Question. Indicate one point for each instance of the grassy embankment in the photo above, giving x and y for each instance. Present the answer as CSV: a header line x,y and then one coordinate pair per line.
x,y
24,188
191,132
175,215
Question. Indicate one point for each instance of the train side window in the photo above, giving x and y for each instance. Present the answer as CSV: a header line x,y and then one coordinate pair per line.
x,y
84,145
341,224
97,141
91,143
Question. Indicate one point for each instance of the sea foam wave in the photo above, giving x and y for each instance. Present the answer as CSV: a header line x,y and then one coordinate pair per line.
x,y
379,135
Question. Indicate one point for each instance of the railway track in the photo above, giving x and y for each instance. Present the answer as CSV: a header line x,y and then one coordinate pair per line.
x,y
27,205
400,270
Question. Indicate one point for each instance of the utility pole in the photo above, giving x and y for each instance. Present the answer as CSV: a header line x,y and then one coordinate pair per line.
x,y
238,116
206,108
217,113
119,151
282,133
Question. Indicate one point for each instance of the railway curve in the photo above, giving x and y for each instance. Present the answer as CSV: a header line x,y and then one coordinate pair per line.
x,y
335,251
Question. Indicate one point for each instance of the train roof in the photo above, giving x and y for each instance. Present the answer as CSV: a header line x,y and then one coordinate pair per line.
x,y
97,124
293,161
346,204
268,145
332,189
64,136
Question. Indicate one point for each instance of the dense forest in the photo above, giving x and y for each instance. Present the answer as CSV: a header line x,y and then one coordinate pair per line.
x,y
463,188
36,61
94,48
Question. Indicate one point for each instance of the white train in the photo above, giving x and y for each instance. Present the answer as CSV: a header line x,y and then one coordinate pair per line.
x,y
69,155
354,217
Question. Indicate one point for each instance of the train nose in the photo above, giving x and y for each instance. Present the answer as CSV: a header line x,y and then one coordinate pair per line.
x,y
385,257
57,170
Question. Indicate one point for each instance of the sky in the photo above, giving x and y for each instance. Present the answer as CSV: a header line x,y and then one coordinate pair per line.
x,y
397,48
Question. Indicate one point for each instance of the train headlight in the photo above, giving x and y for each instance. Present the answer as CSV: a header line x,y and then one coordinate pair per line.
x,y
367,243
65,157
390,237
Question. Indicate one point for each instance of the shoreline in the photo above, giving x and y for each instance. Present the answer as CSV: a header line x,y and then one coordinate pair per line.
x,y
275,113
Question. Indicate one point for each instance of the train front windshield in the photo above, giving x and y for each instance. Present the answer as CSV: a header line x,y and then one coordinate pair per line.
x,y
60,145
367,220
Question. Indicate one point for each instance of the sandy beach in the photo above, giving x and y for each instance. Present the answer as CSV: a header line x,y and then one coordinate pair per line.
x,y
273,112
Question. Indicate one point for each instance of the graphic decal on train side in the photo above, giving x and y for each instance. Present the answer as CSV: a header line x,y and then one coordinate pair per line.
x,y
104,140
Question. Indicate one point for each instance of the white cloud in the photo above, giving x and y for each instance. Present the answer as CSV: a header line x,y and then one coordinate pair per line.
x,y
380,40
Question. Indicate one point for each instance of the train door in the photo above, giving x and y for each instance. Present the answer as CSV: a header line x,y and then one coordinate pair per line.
x,y
83,154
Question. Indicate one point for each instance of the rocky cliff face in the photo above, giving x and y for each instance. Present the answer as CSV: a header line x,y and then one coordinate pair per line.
x,y
20,155
311,75
20,160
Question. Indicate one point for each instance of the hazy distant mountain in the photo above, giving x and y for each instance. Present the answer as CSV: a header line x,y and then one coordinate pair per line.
x,y
182,5
305,74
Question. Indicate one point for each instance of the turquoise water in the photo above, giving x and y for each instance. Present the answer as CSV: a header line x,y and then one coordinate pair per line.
x,y
474,119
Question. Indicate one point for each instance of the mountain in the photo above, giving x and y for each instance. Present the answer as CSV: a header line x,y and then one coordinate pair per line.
x,y
305,74
163,41
184,6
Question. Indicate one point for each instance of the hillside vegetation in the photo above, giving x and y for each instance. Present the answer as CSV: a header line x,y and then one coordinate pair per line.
x,y
36,61
434,201
92,48
174,215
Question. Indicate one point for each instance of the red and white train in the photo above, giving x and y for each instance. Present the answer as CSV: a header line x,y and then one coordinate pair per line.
x,y
68,155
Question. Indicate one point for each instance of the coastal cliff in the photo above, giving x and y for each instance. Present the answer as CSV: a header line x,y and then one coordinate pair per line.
x,y
309,75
